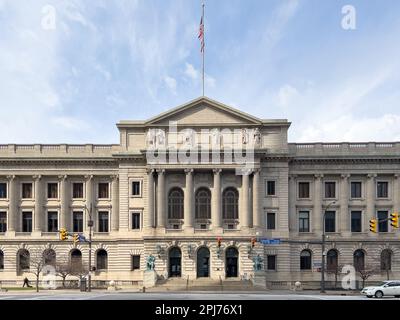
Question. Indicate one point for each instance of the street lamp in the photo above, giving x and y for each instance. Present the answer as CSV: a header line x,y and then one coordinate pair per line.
x,y
323,248
90,225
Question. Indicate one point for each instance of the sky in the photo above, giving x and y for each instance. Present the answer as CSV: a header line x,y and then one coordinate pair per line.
x,y
71,69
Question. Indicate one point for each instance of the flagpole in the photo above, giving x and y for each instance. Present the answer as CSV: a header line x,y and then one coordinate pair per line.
x,y
204,45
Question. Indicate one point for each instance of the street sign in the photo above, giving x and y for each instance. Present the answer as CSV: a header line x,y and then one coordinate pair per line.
x,y
270,241
317,265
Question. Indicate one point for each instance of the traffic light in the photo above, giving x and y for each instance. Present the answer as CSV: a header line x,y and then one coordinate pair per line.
x,y
394,218
373,226
63,234
76,238
253,242
219,240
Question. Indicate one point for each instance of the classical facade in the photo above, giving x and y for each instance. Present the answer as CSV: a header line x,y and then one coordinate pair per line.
x,y
198,215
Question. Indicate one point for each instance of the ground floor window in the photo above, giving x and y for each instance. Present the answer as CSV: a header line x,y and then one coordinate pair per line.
x,y
135,262
271,262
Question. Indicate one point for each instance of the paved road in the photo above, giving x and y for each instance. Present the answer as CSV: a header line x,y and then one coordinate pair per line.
x,y
176,296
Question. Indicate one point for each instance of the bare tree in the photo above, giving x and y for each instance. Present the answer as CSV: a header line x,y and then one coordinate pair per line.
x,y
336,271
367,272
63,269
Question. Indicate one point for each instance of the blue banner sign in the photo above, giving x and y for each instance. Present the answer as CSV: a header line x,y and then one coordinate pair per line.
x,y
270,241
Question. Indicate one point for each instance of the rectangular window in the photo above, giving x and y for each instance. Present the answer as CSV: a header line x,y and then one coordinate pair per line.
x,y
77,217
77,190
135,220
52,190
3,221
270,188
304,221
356,221
271,262
136,262
330,189
52,221
356,189
330,225
103,190
27,222
27,191
382,221
304,190
103,221
382,189
271,220
3,190
136,190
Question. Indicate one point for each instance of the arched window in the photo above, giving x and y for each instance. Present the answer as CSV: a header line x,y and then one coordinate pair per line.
x,y
49,257
175,204
23,260
76,261
386,260
359,260
230,199
101,260
203,204
1,260
305,260
332,260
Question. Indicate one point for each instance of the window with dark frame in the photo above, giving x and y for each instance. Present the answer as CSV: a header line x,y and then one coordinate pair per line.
x,y
304,221
203,204
26,221
382,221
330,222
3,221
135,262
101,260
1,260
77,190
103,190
304,190
52,221
3,190
271,188
382,189
230,204
271,262
136,188
305,260
27,190
271,220
330,189
356,189
175,204
52,190
135,220
77,221
356,221
103,221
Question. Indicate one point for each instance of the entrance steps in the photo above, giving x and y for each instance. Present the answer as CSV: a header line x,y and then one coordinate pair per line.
x,y
203,284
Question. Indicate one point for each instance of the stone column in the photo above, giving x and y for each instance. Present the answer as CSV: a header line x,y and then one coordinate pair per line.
x,y
115,203
216,215
149,222
65,202
370,197
317,211
89,200
396,193
344,204
161,199
245,217
292,204
257,221
188,203
13,203
39,212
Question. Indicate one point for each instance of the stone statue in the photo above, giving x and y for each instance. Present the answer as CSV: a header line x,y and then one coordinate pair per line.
x,y
160,137
257,263
257,137
215,138
151,138
245,136
150,263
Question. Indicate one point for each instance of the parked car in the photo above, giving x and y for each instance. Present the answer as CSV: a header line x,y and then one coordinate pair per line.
x,y
385,288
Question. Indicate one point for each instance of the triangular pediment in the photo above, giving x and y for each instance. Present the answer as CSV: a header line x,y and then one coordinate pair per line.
x,y
204,112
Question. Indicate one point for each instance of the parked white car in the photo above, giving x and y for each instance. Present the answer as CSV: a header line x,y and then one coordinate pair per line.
x,y
386,288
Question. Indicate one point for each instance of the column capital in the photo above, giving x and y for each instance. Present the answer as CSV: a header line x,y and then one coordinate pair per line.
x,y
88,177
188,171
150,171
318,176
217,171
114,177
396,175
293,176
371,175
62,177
160,171
244,171
37,177
256,170
345,176
11,177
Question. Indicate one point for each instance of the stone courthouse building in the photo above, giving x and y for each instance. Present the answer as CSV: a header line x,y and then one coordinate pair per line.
x,y
198,215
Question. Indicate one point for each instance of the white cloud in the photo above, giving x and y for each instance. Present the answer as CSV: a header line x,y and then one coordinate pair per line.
x,y
103,71
171,83
191,72
70,123
287,95
209,81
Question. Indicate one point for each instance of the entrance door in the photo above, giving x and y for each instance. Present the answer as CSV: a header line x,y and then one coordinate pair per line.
x,y
232,262
203,262
175,258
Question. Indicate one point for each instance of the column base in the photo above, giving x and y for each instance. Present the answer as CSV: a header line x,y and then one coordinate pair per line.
x,y
36,233
160,230
188,229
217,230
10,234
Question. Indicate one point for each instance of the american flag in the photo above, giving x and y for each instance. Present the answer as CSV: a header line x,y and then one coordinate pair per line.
x,y
201,35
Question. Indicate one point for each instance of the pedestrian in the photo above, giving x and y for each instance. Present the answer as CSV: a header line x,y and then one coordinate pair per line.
x,y
26,282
